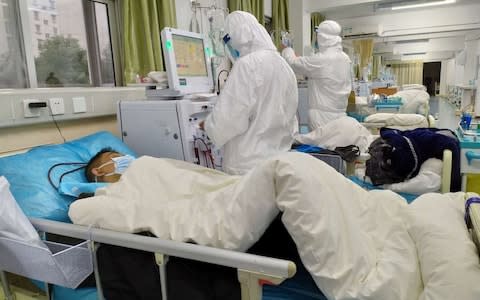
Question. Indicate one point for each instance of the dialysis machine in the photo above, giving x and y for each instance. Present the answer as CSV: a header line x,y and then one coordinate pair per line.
x,y
166,123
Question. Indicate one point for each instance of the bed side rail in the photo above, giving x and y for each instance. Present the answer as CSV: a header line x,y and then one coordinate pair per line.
x,y
253,270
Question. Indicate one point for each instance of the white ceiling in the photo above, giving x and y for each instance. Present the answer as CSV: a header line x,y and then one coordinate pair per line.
x,y
438,31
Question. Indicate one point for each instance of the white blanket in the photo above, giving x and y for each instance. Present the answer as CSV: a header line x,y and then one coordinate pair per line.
x,y
341,132
354,243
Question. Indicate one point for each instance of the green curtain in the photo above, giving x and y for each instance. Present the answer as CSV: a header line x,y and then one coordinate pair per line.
x,y
364,50
408,72
279,19
315,19
376,66
255,7
142,22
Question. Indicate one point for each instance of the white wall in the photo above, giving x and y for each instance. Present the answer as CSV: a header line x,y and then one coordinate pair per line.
x,y
298,25
447,75
98,102
17,132
472,48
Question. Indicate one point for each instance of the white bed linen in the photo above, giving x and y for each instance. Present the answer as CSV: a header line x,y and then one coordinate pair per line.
x,y
14,225
354,243
341,132
448,257
398,121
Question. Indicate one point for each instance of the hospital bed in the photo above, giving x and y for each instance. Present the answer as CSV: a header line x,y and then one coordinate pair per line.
x,y
412,112
253,271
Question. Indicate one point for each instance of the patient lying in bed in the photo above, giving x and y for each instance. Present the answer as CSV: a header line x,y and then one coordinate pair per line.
x,y
355,244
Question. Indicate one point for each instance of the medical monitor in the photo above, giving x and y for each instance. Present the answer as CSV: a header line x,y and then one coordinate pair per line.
x,y
187,61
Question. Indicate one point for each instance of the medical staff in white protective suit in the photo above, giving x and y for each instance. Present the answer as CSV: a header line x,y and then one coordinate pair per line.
x,y
255,115
329,75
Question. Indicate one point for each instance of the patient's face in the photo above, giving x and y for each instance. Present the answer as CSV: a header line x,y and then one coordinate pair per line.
x,y
104,167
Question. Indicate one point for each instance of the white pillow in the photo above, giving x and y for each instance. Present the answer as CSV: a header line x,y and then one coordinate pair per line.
x,y
428,179
448,258
390,119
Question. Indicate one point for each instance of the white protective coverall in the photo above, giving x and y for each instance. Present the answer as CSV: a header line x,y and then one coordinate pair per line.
x,y
255,115
329,75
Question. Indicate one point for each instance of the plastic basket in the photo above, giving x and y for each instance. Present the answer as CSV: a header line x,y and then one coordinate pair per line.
x,y
59,264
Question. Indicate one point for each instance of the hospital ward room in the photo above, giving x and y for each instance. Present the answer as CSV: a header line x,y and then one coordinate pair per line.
x,y
240,149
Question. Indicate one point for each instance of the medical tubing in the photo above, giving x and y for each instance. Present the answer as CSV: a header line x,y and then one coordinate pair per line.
x,y
218,79
209,154
205,153
49,173
56,124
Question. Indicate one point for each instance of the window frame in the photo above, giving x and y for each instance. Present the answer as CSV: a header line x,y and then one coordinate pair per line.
x,y
93,51
93,46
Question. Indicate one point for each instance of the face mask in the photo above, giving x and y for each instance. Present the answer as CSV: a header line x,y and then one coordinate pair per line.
x,y
121,163
232,53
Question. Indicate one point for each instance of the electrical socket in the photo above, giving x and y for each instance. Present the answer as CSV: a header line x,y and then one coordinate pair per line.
x,y
79,105
57,106
31,112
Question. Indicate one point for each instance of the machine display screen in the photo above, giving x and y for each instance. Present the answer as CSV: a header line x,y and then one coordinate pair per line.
x,y
189,56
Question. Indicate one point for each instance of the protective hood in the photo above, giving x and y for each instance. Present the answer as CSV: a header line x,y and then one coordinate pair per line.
x,y
328,35
247,35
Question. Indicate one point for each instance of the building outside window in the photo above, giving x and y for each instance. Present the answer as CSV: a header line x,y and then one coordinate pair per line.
x,y
56,43
64,54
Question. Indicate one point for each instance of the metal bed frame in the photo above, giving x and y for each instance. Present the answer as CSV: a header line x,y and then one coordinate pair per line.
x,y
253,270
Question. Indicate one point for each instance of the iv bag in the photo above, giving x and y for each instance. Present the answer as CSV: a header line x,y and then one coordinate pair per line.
x,y
194,26
216,18
287,38
282,37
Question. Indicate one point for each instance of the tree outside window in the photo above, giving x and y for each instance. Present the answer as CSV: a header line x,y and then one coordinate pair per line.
x,y
62,62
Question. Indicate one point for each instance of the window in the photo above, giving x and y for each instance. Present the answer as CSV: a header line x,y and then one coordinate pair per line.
x,y
104,44
63,56
63,39
13,70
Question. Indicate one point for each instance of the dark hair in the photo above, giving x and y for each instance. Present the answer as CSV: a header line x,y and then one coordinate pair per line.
x,y
92,163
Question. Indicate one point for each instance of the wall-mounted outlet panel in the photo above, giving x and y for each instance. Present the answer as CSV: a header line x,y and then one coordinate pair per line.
x,y
79,105
31,112
57,107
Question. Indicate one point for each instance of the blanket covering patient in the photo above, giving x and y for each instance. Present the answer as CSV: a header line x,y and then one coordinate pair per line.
x,y
356,244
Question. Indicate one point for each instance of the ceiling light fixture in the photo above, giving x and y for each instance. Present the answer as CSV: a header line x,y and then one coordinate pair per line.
x,y
434,3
